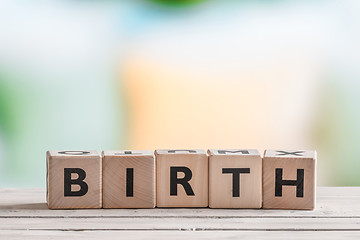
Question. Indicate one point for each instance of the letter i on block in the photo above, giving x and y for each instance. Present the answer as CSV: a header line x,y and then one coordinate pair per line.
x,y
182,178
235,178
73,179
128,179
289,179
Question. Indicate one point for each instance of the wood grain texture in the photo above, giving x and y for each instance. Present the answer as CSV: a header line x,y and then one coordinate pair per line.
x,y
24,215
115,165
180,223
90,163
197,162
332,202
290,163
177,235
221,192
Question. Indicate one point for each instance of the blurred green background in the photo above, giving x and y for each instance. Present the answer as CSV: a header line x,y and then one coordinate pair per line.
x,y
146,74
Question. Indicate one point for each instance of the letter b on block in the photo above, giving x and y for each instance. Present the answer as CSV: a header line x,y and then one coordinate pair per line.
x,y
182,178
80,181
289,179
73,179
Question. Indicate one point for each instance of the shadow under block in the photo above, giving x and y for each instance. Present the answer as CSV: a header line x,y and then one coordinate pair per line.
x,y
128,179
73,179
182,178
289,179
235,178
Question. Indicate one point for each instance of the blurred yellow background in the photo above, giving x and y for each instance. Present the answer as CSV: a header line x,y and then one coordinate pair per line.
x,y
179,74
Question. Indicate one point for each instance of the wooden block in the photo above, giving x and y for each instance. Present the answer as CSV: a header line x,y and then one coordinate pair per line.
x,y
182,178
73,179
289,179
128,179
235,178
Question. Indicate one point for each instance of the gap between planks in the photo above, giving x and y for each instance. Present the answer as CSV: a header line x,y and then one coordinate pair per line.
x,y
187,230
175,217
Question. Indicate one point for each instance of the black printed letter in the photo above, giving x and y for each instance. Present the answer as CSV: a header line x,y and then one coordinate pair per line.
x,y
235,151
129,182
236,178
79,181
299,182
174,180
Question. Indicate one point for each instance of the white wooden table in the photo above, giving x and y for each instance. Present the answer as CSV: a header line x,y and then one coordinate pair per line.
x,y
24,214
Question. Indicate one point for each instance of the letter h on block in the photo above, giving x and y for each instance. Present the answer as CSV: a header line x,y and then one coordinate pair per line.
x,y
289,179
73,179
182,178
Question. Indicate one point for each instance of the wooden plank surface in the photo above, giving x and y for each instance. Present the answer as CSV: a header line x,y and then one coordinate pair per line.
x,y
178,235
24,214
182,224
331,203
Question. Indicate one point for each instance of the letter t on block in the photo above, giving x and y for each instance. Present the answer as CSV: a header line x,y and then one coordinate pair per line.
x,y
235,178
289,179
73,179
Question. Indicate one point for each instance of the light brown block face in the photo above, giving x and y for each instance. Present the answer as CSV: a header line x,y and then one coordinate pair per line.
x,y
73,179
289,179
235,178
128,179
182,178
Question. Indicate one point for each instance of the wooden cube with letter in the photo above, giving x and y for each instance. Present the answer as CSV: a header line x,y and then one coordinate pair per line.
x,y
182,178
73,179
128,179
289,179
235,178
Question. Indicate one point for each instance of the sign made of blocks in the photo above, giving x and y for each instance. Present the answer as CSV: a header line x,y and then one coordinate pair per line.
x,y
128,179
73,179
223,178
235,178
289,179
182,178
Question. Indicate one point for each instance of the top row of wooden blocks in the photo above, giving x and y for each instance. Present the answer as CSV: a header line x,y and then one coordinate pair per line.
x,y
218,178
